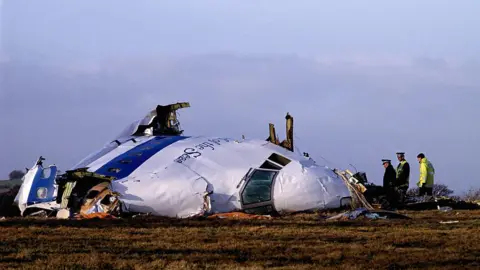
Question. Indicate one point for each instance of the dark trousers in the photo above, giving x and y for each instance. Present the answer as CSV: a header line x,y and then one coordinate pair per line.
x,y
392,197
425,191
402,194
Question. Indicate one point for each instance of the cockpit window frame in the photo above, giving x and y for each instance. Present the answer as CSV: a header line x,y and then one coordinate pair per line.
x,y
272,188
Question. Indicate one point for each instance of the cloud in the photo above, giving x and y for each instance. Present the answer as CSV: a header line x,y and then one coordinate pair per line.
x,y
356,110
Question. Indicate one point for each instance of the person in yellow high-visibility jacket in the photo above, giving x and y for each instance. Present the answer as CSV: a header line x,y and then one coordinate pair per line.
x,y
427,173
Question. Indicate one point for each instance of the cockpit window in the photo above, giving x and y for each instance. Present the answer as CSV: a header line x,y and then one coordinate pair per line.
x,y
42,192
270,165
46,173
125,161
114,170
259,187
281,160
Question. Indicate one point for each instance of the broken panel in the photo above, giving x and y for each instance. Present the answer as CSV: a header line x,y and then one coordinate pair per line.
x,y
75,185
100,199
38,187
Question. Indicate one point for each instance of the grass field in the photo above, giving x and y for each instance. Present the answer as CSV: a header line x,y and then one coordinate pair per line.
x,y
294,242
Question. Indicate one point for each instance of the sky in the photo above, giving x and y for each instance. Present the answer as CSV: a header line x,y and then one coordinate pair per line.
x,y
363,79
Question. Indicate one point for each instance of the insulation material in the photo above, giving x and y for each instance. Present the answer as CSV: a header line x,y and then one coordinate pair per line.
x,y
100,199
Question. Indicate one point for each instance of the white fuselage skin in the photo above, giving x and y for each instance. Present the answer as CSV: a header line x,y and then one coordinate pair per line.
x,y
175,176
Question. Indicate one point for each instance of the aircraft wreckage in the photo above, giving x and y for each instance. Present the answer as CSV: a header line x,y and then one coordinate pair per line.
x,y
152,168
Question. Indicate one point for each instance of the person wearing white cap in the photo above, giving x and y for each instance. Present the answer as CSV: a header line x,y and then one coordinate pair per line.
x,y
389,183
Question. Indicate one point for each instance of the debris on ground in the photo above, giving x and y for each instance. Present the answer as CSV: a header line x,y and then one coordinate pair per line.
x,y
356,189
369,214
238,215
97,215
441,204
141,215
445,208
449,222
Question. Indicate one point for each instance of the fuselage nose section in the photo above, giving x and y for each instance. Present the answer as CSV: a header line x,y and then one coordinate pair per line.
x,y
309,188
336,192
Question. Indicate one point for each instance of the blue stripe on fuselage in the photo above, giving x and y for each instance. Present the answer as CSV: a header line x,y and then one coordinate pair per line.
x,y
38,182
124,164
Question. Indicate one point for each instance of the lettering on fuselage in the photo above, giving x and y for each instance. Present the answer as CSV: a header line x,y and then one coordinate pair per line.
x,y
196,151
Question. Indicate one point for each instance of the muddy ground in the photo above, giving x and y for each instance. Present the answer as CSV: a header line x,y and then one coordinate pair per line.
x,y
304,241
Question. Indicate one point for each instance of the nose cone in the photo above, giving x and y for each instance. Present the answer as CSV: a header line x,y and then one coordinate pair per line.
x,y
308,188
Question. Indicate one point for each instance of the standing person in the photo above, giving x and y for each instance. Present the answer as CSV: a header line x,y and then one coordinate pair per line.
x,y
403,176
427,173
389,178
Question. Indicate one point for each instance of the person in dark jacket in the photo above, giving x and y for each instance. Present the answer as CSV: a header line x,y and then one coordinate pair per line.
x,y
389,179
403,177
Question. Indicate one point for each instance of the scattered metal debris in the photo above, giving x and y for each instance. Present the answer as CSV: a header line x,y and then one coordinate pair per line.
x,y
238,215
440,203
369,214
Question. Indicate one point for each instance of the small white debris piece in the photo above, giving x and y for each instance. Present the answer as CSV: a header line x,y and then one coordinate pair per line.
x,y
63,214
449,222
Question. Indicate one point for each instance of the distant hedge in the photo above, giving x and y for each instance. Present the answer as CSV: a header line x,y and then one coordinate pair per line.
x,y
10,183
7,208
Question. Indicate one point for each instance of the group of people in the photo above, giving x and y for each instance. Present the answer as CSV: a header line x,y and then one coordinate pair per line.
x,y
396,182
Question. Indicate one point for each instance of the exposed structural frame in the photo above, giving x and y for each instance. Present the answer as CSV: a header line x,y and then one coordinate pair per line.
x,y
288,142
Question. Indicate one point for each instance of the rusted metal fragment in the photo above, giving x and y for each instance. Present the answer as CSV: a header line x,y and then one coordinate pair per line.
x,y
75,185
100,199
95,215
238,215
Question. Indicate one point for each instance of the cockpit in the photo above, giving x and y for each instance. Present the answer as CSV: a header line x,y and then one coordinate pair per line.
x,y
257,192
